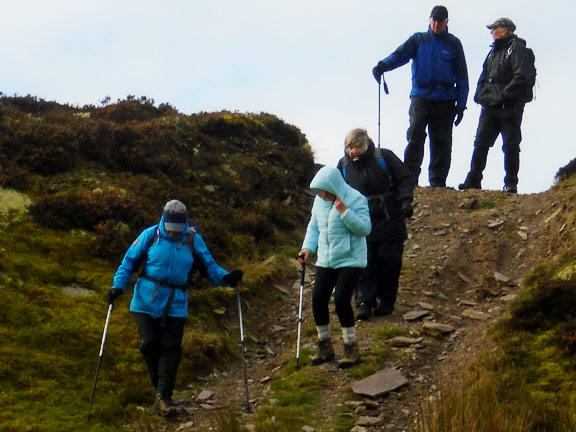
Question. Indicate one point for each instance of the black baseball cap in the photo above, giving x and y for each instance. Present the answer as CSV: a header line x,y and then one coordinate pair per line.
x,y
439,12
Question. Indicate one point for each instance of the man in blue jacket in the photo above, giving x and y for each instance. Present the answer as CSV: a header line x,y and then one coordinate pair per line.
x,y
438,96
160,302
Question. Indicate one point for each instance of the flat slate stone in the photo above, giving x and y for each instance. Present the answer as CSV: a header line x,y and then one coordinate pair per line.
x,y
477,315
380,383
508,297
403,341
501,277
425,306
204,396
414,315
368,421
438,327
468,302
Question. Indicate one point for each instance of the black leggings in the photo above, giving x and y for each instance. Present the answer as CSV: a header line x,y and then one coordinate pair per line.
x,y
341,281
162,349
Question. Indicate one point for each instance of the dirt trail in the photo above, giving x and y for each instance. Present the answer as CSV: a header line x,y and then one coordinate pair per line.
x,y
465,258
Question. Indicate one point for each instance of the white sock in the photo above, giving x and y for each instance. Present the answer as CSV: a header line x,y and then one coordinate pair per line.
x,y
323,332
349,334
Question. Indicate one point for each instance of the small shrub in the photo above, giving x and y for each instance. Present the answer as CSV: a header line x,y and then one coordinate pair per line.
x,y
86,210
566,171
545,306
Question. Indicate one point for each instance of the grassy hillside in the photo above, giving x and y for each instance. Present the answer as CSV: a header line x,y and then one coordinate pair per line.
x,y
78,184
525,380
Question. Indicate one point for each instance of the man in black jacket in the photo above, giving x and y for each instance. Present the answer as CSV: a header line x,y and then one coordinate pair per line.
x,y
503,89
388,185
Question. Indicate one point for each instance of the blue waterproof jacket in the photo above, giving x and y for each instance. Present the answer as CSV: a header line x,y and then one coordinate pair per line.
x,y
439,71
339,240
168,262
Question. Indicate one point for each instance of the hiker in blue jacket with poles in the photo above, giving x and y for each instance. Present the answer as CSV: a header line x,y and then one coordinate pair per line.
x,y
160,303
438,96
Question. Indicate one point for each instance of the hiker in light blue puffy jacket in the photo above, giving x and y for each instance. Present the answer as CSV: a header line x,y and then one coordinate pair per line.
x,y
336,233
160,303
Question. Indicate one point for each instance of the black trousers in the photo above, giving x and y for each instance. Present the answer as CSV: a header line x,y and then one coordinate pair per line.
x,y
342,282
380,278
162,350
493,122
438,118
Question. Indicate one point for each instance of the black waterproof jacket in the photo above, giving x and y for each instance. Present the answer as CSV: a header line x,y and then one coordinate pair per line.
x,y
503,78
385,190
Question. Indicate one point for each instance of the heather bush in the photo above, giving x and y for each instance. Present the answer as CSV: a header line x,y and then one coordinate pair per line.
x,y
131,109
38,147
566,171
85,210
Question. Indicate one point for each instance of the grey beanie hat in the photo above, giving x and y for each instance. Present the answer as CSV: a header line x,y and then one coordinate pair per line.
x,y
175,216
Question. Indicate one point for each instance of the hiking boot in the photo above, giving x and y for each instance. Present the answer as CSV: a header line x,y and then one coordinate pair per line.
x,y
164,406
351,356
511,189
437,185
383,309
325,352
469,185
363,312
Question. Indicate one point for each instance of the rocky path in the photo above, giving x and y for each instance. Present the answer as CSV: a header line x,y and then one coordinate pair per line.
x,y
463,263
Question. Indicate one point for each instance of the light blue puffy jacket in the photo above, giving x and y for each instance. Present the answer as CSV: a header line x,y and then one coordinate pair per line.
x,y
168,260
339,240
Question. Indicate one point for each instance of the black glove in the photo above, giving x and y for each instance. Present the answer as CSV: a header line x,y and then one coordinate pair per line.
x,y
377,71
113,294
407,209
459,116
233,277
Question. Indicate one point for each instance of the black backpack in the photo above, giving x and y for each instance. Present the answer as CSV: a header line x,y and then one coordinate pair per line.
x,y
529,66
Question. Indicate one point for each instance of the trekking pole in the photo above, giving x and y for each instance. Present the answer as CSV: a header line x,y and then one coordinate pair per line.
x,y
104,333
243,346
379,99
379,109
303,271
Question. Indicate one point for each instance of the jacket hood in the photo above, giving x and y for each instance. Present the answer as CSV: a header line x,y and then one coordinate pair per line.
x,y
330,180
165,234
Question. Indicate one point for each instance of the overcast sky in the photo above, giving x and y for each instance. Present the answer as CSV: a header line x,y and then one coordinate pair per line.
x,y
308,62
